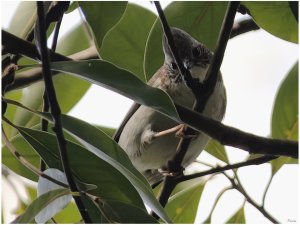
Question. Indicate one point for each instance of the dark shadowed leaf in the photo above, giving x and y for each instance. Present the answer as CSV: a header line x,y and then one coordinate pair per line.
x,y
102,16
124,45
285,114
182,207
275,17
202,20
108,150
109,76
120,212
86,167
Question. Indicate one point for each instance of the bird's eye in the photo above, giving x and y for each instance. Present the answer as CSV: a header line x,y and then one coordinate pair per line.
x,y
174,66
197,51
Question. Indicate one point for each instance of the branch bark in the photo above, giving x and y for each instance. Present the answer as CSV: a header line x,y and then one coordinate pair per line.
x,y
236,138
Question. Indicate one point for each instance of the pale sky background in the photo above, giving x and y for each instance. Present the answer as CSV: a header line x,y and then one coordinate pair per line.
x,y
254,66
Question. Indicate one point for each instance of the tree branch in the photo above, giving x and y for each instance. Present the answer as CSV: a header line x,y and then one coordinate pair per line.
x,y
240,189
55,109
44,122
236,138
242,27
202,92
256,161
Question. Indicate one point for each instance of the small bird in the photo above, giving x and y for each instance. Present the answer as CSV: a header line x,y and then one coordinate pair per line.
x,y
142,135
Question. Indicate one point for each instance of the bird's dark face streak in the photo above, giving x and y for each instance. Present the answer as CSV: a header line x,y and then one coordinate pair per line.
x,y
193,54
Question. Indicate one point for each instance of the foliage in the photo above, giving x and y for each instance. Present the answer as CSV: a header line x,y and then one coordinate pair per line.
x,y
128,41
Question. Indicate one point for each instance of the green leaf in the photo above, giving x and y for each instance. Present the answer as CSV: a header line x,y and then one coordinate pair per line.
x,y
182,207
41,202
24,19
217,150
109,76
107,130
276,18
110,183
202,20
102,16
70,214
27,152
125,44
238,217
11,110
285,114
120,212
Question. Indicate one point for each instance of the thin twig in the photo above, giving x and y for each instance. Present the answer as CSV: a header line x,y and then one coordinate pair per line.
x,y
217,200
239,188
56,112
266,191
256,161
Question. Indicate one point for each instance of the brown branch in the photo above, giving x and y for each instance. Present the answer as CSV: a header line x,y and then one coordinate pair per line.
x,y
202,93
256,161
237,186
230,136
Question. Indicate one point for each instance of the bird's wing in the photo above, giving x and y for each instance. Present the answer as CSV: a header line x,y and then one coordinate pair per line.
x,y
131,111
134,107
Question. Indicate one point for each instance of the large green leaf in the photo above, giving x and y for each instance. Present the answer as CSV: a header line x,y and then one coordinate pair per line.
x,y
120,212
182,207
109,76
70,214
238,217
202,20
10,110
27,152
125,44
102,16
41,202
285,114
275,17
110,183
24,19
217,150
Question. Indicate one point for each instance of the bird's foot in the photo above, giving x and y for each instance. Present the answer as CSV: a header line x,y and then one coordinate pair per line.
x,y
182,134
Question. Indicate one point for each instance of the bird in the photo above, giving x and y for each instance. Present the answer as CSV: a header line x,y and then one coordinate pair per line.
x,y
141,134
